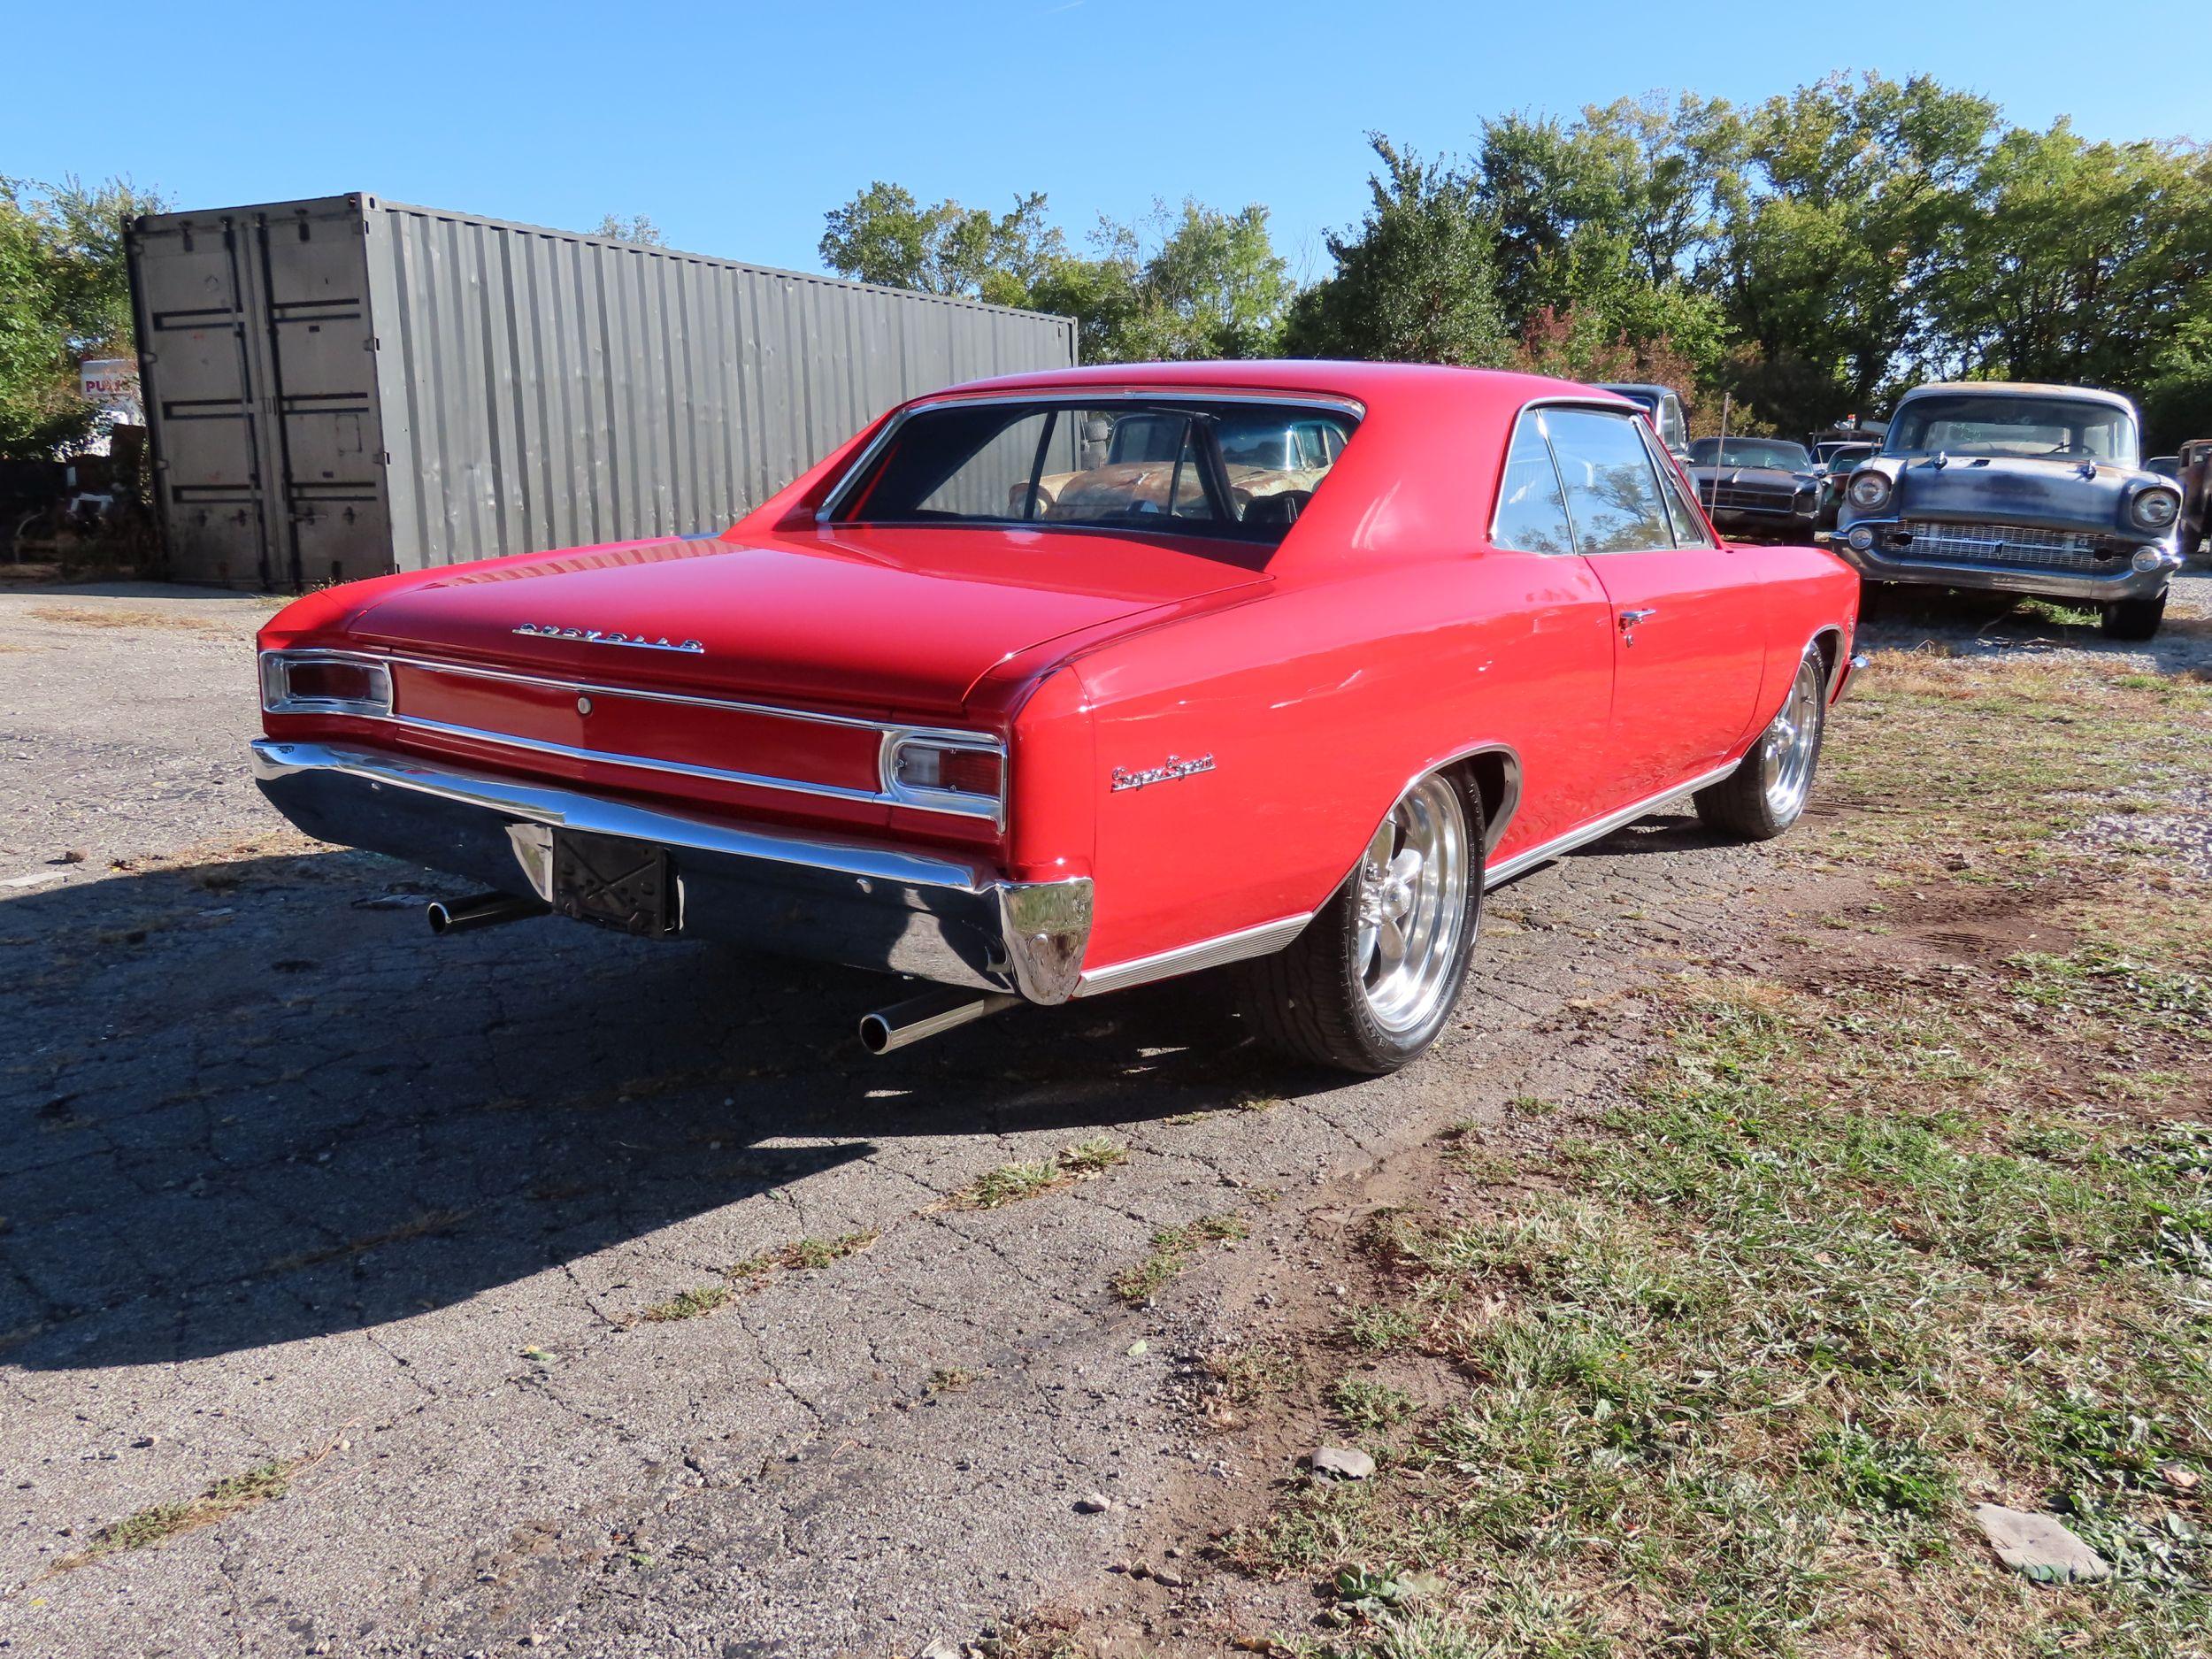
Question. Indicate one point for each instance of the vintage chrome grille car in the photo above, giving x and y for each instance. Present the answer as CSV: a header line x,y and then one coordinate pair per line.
x,y
977,702
2017,488
1765,485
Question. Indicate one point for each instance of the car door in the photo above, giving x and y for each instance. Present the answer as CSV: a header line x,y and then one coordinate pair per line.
x,y
1533,581
1689,640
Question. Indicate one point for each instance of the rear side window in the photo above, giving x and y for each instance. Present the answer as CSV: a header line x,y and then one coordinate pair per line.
x,y
1531,516
1613,499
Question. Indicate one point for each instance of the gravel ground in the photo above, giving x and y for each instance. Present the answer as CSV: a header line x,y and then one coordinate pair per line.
x,y
287,1180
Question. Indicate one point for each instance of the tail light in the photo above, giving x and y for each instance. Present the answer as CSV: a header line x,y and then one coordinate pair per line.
x,y
324,682
946,772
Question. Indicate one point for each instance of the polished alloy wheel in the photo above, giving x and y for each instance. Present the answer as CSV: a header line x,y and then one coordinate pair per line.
x,y
1413,904
1787,750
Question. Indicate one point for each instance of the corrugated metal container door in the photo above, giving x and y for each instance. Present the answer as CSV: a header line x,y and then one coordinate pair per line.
x,y
259,363
343,386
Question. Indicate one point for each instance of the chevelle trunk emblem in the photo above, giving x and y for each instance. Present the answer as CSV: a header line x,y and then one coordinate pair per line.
x,y
605,636
1167,771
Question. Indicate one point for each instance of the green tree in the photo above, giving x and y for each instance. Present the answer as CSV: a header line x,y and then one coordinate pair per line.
x,y
883,235
1192,282
65,296
2083,262
1853,195
1416,282
637,227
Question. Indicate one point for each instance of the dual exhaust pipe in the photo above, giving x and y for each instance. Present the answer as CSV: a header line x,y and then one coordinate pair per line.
x,y
887,1029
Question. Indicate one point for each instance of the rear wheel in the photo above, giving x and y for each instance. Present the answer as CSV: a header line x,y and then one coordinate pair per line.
x,y
2135,619
1767,792
1370,983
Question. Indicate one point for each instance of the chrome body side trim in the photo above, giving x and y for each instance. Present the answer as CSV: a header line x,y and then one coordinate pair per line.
x,y
639,763
949,803
1207,953
696,700
943,919
1597,829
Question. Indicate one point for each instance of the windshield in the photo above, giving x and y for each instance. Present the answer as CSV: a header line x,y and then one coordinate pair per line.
x,y
1774,452
2013,423
1243,470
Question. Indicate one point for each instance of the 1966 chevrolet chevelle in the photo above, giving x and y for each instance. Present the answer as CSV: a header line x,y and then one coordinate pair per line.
x,y
1047,686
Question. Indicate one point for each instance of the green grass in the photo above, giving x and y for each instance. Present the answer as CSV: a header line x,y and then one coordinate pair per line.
x,y
1731,1379
161,1522
1010,1183
1172,1253
695,1303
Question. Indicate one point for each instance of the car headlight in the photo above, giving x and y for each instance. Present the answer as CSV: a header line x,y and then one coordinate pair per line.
x,y
324,682
1868,490
2154,509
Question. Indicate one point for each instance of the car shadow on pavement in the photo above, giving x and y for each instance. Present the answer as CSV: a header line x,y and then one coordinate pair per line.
x,y
252,1102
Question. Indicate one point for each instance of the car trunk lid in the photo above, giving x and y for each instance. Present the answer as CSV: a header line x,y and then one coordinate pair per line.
x,y
904,620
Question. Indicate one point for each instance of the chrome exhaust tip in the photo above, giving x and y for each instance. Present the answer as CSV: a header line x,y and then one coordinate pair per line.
x,y
485,909
889,1028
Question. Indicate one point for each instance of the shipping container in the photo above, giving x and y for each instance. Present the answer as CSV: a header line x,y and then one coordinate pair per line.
x,y
345,387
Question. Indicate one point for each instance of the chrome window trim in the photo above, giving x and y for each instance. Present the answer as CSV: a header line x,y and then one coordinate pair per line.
x,y
1674,483
948,803
290,704
826,517
1602,405
1636,421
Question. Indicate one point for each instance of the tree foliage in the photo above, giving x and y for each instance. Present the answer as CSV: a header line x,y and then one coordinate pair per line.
x,y
1416,282
1194,282
65,296
1811,255
637,227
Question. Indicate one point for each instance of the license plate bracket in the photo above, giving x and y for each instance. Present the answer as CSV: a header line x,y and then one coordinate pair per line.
x,y
611,881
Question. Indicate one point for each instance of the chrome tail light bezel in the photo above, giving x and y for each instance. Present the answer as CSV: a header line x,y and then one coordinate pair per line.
x,y
278,697
961,802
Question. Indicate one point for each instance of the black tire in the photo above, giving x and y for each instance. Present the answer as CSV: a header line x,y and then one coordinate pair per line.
x,y
2134,619
1745,805
1310,1001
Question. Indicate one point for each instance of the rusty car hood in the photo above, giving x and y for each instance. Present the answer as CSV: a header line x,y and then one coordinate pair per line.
x,y
2055,492
898,619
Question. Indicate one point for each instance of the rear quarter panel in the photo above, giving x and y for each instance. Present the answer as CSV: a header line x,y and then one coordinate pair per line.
x,y
1317,705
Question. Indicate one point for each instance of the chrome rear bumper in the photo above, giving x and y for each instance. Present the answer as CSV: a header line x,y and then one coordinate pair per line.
x,y
785,891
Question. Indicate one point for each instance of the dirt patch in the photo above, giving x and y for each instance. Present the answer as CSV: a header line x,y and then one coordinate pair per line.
x,y
102,617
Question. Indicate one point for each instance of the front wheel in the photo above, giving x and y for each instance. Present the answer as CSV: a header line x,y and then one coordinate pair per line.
x,y
1767,792
1370,983
2134,619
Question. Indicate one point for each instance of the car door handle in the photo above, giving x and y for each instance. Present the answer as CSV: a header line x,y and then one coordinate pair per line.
x,y
1629,619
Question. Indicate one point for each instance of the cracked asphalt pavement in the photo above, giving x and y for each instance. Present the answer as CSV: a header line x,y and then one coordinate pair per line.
x,y
287,1180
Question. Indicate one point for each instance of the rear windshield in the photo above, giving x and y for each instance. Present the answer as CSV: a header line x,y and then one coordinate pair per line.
x,y
2013,423
1235,470
1789,457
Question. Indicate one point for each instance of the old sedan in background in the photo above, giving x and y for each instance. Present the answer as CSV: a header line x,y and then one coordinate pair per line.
x,y
2021,490
1760,486
934,710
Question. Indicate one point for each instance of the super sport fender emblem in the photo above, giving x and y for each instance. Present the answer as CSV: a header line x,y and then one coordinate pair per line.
x,y
607,636
1172,768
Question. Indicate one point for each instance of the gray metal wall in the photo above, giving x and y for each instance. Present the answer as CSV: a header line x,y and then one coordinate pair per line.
x,y
347,386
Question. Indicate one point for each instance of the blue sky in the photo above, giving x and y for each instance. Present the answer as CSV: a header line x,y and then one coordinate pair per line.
x,y
735,127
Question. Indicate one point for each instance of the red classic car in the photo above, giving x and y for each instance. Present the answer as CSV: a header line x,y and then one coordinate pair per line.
x,y
921,713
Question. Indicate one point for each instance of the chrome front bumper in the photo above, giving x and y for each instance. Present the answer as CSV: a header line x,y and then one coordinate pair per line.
x,y
2094,587
792,894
